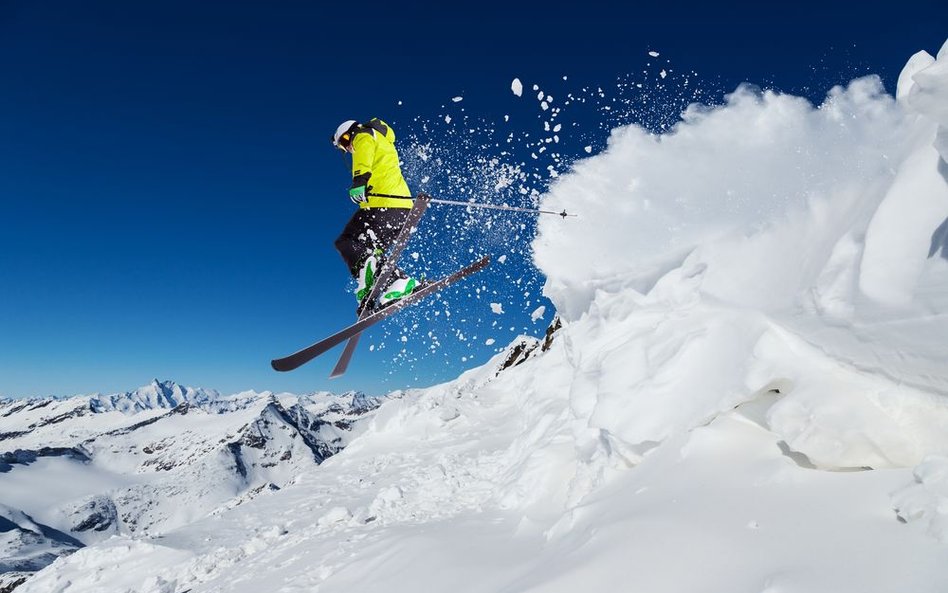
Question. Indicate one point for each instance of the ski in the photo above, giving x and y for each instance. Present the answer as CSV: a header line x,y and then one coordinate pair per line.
x,y
388,268
309,353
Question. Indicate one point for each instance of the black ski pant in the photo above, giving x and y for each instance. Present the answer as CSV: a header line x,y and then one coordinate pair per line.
x,y
369,229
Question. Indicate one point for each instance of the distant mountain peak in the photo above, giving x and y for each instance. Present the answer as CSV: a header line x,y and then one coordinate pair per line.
x,y
155,395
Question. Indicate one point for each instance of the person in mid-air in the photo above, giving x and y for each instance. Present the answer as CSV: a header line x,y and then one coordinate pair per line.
x,y
378,220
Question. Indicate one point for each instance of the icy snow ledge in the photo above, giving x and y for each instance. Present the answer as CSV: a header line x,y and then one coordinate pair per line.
x,y
841,417
905,226
927,94
642,373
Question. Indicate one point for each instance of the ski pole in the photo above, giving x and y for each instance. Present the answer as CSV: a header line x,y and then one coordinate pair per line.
x,y
433,200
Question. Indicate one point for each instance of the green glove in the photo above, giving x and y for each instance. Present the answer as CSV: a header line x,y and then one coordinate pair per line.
x,y
357,194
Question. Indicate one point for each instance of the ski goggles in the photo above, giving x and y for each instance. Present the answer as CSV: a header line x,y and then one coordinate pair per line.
x,y
344,142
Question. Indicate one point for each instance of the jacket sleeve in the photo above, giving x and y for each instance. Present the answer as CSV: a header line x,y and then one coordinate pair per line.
x,y
363,155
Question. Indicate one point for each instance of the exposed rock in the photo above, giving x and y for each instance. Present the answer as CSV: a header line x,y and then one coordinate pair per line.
x,y
11,580
527,347
25,457
97,513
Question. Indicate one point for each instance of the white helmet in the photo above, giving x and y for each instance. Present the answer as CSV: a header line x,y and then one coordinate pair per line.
x,y
340,132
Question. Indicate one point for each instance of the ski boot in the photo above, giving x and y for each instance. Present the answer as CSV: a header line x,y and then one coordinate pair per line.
x,y
400,286
366,277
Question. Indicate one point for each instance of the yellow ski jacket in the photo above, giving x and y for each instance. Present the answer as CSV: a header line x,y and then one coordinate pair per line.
x,y
375,164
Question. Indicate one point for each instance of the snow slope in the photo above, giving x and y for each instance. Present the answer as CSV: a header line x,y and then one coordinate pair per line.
x,y
748,392
80,470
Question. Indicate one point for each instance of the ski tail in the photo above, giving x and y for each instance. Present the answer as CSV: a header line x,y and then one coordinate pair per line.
x,y
342,365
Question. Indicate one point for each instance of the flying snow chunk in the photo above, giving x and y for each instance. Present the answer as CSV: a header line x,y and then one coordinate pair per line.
x,y
663,74
654,54
447,119
489,342
497,308
538,313
457,99
588,149
502,258
517,87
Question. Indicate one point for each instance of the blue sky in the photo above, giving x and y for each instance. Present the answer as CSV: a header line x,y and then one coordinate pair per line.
x,y
169,199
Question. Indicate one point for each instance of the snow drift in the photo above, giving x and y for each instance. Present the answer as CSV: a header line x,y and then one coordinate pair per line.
x,y
802,240
748,392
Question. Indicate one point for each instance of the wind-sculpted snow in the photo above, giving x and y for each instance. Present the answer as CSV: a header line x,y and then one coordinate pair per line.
x,y
754,175
736,400
759,237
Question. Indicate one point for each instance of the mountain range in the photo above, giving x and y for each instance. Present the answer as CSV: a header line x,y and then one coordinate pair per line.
x,y
78,470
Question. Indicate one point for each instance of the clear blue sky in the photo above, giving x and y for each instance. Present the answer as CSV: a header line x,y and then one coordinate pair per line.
x,y
169,199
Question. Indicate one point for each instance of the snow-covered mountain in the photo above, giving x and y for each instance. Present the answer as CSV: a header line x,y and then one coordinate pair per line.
x,y
155,395
79,470
748,392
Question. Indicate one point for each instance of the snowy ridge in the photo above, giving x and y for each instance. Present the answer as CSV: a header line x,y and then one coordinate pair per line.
x,y
748,392
152,460
155,395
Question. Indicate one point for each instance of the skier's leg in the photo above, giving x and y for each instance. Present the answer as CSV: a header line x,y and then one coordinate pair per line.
x,y
388,223
362,245
385,225
356,245
367,232
357,240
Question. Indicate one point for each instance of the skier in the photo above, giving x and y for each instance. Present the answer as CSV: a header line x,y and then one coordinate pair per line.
x,y
376,223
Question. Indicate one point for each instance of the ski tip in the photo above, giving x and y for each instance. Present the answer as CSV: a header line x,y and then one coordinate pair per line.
x,y
279,365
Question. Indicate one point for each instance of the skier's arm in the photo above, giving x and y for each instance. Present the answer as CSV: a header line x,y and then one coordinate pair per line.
x,y
363,155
